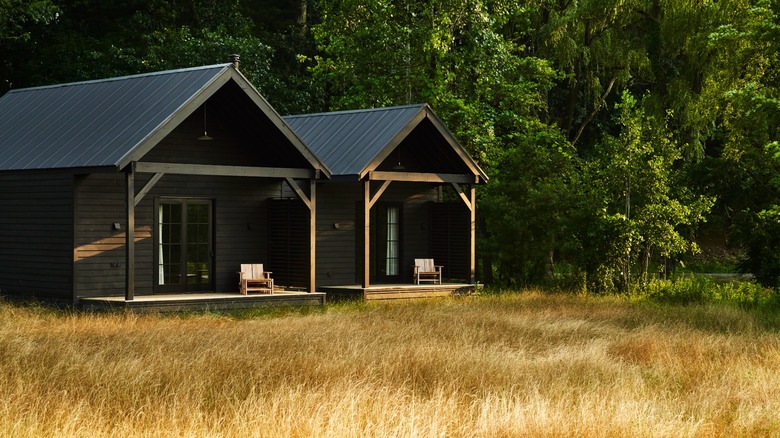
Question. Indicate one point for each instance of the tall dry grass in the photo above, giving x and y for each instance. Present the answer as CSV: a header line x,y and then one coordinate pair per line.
x,y
512,365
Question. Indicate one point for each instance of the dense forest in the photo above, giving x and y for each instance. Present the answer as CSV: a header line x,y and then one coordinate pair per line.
x,y
624,139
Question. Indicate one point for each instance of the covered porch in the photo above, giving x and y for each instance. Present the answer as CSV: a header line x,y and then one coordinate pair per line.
x,y
207,301
396,291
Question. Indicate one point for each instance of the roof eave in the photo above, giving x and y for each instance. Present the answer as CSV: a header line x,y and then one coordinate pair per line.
x,y
66,170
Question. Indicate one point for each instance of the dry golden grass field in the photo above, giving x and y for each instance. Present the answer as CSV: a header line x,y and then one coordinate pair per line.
x,y
522,364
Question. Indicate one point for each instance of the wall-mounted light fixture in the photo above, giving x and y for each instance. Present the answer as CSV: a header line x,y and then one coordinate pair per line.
x,y
344,226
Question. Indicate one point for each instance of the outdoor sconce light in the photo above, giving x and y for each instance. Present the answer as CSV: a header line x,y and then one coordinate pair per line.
x,y
349,225
116,226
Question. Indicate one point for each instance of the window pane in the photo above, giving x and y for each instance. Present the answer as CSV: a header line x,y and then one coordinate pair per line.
x,y
393,245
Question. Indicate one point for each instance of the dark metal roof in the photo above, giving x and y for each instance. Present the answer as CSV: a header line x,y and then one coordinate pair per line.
x,y
352,143
93,123
348,141
109,123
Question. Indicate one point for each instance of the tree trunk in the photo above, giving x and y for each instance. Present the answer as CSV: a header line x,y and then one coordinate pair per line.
x,y
646,265
303,17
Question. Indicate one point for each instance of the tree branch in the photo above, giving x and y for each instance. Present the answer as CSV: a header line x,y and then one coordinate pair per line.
x,y
595,110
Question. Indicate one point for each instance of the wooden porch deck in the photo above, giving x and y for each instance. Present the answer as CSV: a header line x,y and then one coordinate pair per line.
x,y
202,301
395,291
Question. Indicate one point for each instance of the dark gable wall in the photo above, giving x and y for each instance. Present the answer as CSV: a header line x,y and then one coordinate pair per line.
x,y
36,235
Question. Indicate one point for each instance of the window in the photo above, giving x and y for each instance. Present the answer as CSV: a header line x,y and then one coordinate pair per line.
x,y
183,244
392,261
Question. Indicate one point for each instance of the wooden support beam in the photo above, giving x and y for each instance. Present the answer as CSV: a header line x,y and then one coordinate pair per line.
x,y
213,170
312,236
473,237
469,203
130,234
311,203
421,177
149,186
378,193
294,185
366,232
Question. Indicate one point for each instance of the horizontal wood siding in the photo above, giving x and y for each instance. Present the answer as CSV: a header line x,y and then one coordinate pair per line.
x,y
100,249
336,206
338,225
240,228
36,235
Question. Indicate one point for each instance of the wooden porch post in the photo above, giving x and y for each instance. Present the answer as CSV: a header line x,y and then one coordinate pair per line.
x,y
366,232
472,237
471,203
130,234
313,235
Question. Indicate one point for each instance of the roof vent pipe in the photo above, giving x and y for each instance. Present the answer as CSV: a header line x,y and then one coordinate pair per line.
x,y
235,60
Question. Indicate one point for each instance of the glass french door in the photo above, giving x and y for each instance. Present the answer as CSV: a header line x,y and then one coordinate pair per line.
x,y
388,241
184,245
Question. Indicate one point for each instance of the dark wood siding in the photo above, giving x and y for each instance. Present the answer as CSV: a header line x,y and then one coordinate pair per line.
x,y
100,249
338,225
36,235
240,207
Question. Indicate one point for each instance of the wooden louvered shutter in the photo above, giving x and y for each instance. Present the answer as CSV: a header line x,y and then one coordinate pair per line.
x,y
288,242
449,238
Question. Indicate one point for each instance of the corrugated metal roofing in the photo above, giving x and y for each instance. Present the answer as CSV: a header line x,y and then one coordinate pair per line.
x,y
94,123
348,141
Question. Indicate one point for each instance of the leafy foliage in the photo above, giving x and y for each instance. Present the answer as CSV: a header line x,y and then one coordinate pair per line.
x,y
704,290
631,203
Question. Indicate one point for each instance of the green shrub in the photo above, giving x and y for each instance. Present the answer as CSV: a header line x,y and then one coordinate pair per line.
x,y
702,290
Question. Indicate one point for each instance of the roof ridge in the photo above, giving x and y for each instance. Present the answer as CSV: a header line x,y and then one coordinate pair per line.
x,y
359,110
118,78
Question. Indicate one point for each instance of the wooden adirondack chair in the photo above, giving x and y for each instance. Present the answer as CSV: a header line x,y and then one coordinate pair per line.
x,y
425,270
252,278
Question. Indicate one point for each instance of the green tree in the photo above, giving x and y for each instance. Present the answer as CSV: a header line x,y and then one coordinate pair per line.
x,y
91,39
632,203
750,147
17,17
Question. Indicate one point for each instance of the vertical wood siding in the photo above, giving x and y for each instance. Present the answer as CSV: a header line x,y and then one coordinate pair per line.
x,y
36,235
